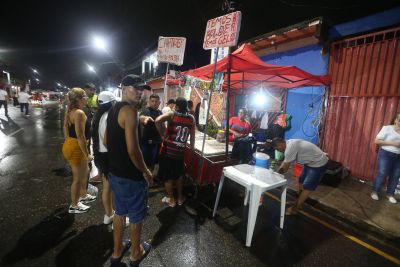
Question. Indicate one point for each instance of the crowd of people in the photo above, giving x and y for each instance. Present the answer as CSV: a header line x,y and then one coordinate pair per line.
x,y
126,147
21,99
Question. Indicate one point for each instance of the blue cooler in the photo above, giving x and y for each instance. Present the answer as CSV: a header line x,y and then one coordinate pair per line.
x,y
261,159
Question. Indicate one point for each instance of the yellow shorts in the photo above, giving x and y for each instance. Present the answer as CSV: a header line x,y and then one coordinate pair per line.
x,y
72,152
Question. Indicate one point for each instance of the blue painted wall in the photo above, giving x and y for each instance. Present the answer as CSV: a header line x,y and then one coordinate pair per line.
x,y
379,20
304,103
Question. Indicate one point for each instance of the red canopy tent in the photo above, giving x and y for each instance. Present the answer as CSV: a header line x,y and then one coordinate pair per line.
x,y
248,70
243,69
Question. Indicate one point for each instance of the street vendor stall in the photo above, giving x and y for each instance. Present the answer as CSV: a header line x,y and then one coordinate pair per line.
x,y
212,161
243,70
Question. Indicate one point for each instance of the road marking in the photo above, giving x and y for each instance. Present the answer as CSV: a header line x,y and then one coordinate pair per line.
x,y
17,131
351,237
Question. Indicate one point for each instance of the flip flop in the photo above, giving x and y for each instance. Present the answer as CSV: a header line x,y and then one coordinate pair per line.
x,y
166,200
116,261
146,248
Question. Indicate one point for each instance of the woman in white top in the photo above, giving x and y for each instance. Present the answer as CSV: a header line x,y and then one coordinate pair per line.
x,y
105,102
388,159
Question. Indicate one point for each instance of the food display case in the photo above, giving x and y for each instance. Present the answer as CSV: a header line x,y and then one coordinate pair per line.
x,y
207,169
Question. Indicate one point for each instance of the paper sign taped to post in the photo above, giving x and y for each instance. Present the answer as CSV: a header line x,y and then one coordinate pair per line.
x,y
171,50
222,31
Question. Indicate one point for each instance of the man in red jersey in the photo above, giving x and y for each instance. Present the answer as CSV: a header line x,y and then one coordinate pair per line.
x,y
181,124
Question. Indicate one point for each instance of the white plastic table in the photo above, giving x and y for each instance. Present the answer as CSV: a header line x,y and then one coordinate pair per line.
x,y
256,180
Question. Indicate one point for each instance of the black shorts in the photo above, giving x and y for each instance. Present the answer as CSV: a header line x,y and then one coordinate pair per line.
x,y
101,162
170,169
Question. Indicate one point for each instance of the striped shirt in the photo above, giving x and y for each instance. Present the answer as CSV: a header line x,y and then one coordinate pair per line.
x,y
178,131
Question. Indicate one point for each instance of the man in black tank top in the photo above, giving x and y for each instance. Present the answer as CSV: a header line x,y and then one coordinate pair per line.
x,y
129,176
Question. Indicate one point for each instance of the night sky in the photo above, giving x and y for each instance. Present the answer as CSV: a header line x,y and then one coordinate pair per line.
x,y
55,36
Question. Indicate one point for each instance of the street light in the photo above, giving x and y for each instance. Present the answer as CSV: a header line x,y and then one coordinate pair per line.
x,y
36,79
99,43
35,71
91,68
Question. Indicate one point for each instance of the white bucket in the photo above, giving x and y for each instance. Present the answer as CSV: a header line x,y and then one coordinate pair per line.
x,y
261,159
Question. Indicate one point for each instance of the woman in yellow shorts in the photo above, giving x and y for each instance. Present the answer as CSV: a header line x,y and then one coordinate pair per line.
x,y
75,149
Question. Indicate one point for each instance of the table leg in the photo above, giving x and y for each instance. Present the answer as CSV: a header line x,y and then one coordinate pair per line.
x,y
221,183
283,204
246,197
255,194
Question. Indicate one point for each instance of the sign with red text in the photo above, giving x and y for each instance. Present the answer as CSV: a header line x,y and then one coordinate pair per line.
x,y
171,50
222,31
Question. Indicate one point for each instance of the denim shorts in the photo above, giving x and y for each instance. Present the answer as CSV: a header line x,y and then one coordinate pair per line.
x,y
310,177
130,197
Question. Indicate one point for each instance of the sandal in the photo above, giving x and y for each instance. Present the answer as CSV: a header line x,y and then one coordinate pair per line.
x,y
146,248
116,261
167,200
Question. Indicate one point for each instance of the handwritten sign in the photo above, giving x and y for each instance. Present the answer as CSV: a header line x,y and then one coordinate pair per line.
x,y
171,50
222,31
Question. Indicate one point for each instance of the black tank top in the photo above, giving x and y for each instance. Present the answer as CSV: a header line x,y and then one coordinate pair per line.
x,y
72,132
120,163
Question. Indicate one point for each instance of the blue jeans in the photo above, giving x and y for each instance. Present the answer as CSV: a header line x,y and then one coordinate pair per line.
x,y
388,166
24,106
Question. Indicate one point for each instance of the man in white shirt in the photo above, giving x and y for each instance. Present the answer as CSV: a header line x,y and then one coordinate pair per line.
x,y
3,100
23,100
312,157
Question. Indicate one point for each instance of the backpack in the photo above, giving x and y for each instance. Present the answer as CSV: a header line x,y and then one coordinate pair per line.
x,y
243,148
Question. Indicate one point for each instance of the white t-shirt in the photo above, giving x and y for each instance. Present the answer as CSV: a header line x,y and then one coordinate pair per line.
x,y
165,109
3,94
23,97
305,153
387,133
102,132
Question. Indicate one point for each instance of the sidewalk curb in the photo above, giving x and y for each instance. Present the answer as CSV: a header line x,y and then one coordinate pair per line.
x,y
349,219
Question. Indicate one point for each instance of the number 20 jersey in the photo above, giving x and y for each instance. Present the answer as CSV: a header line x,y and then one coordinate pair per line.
x,y
178,131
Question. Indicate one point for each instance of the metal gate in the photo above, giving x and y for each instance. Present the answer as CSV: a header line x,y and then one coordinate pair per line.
x,y
364,96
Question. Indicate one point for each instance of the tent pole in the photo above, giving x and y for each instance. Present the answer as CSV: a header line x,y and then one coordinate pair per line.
x,y
209,102
228,94
165,85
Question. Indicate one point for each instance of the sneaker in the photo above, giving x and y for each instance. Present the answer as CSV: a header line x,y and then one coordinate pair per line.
x,y
89,198
108,219
392,199
80,208
374,196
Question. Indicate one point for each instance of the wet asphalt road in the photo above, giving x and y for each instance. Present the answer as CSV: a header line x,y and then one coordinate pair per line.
x,y
36,230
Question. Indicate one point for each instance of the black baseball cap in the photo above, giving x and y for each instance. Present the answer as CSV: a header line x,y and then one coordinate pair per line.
x,y
135,81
